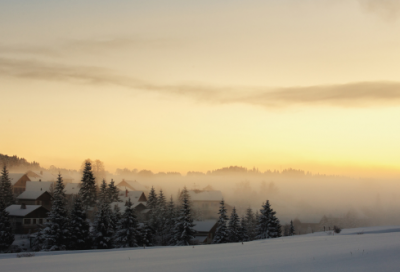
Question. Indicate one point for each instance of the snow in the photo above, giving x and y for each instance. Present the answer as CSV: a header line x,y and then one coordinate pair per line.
x,y
30,195
38,175
378,249
134,185
39,186
14,177
205,195
15,210
204,226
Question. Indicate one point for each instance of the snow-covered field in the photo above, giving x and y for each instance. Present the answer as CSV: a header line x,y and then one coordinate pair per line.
x,y
377,249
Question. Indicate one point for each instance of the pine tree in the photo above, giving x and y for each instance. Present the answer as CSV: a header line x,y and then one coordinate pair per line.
x,y
160,215
251,224
6,190
88,190
113,192
152,204
265,227
291,232
6,234
56,234
152,199
170,221
127,229
145,235
234,227
103,227
243,233
116,216
276,225
221,234
104,193
37,243
79,227
184,232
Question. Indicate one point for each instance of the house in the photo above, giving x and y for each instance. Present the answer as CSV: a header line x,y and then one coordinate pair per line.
x,y
135,196
206,203
18,181
35,198
40,186
26,218
131,186
41,176
138,200
205,231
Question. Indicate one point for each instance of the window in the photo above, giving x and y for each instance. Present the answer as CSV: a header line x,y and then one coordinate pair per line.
x,y
27,221
34,221
40,221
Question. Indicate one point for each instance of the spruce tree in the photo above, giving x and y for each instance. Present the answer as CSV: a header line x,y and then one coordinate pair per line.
x,y
276,225
113,192
116,216
6,234
251,224
221,234
145,235
88,190
152,204
266,222
79,227
170,221
243,232
184,232
56,234
291,232
160,215
103,227
234,227
6,190
127,229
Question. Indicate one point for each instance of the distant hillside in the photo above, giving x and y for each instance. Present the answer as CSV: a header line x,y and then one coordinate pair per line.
x,y
15,163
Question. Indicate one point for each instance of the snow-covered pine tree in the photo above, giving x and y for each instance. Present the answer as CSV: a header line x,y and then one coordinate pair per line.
x,y
276,225
6,190
291,232
221,234
88,190
170,221
145,235
161,218
243,233
127,229
104,193
184,232
113,192
56,233
6,234
79,227
251,224
116,216
234,227
37,243
152,204
103,227
265,225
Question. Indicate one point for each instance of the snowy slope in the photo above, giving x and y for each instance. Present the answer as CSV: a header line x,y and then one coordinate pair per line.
x,y
377,249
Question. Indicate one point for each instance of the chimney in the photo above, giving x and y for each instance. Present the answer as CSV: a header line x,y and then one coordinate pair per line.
x,y
23,206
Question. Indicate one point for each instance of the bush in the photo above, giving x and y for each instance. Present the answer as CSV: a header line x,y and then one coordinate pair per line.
x,y
336,229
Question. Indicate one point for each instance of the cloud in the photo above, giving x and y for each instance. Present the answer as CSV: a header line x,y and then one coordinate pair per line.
x,y
386,9
361,94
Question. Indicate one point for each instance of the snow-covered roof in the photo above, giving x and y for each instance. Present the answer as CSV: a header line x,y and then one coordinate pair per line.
x,y
39,186
40,175
72,188
205,195
204,226
14,177
15,210
31,194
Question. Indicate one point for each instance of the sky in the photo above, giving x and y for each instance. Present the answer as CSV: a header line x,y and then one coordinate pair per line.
x,y
199,85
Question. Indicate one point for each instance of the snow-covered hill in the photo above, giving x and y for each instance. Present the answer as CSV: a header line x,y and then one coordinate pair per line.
x,y
367,249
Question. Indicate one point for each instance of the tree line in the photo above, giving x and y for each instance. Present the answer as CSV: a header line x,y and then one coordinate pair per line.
x,y
168,223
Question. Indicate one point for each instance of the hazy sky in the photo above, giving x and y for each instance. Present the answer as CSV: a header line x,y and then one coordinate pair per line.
x,y
198,85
